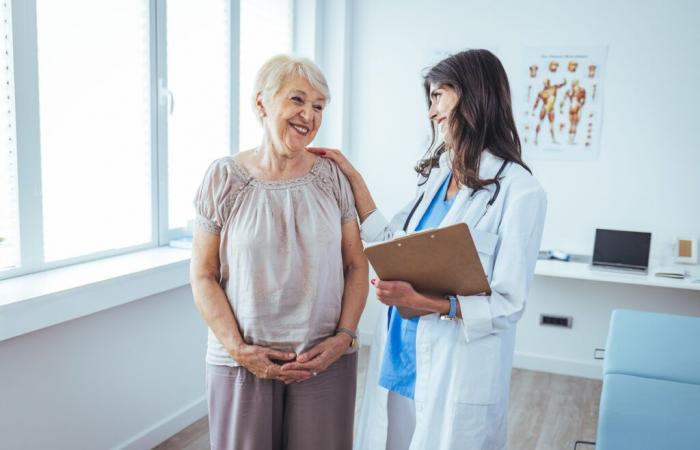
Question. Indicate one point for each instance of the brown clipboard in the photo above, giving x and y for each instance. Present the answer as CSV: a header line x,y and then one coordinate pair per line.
x,y
440,261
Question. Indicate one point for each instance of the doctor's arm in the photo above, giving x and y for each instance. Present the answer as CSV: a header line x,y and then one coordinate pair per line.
x,y
374,226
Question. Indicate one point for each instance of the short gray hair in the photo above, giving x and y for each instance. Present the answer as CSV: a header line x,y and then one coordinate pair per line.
x,y
278,69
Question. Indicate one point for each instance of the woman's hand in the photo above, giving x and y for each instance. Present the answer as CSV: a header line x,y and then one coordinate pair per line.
x,y
401,295
397,293
258,360
320,357
337,156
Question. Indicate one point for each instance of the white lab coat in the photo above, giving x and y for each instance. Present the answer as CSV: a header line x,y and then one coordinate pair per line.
x,y
463,366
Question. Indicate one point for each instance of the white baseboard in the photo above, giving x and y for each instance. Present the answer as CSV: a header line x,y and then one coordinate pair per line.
x,y
162,430
540,363
561,366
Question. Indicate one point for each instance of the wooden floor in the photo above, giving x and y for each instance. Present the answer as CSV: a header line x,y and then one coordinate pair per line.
x,y
546,412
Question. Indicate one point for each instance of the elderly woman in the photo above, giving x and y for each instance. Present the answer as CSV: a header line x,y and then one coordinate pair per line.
x,y
279,276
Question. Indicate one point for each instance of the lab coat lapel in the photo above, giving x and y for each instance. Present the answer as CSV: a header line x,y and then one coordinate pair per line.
x,y
466,208
434,182
457,210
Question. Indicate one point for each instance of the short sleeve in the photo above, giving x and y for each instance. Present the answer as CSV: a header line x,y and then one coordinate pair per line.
x,y
212,201
343,194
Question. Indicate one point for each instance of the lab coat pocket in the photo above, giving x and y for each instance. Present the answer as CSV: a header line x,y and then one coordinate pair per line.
x,y
485,244
477,372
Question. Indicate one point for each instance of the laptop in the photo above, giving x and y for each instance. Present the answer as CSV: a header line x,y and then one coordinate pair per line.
x,y
626,251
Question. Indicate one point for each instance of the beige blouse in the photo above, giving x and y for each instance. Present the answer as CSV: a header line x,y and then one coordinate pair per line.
x,y
280,253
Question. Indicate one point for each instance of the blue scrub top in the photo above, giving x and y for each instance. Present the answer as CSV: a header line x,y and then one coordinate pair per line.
x,y
398,371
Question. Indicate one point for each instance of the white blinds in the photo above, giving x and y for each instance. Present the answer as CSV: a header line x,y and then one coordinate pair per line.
x,y
9,211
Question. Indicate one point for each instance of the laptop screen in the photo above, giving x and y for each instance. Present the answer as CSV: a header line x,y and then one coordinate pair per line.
x,y
616,248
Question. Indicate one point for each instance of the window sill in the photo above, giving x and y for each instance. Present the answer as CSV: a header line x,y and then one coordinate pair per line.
x,y
40,300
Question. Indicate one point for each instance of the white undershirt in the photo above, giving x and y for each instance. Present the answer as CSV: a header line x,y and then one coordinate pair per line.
x,y
402,421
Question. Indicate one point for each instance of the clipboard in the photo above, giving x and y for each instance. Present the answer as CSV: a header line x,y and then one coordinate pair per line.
x,y
440,261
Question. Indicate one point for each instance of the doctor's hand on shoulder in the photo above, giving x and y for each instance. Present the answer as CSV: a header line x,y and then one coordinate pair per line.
x,y
364,203
336,156
408,301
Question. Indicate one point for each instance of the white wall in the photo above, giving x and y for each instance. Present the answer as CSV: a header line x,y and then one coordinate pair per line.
x,y
645,179
128,376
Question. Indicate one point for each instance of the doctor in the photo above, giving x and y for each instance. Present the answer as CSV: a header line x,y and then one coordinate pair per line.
x,y
440,379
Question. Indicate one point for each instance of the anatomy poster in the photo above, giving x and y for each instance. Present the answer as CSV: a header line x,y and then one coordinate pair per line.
x,y
561,105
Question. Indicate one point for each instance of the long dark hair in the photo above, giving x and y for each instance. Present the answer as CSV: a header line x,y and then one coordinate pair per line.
x,y
482,118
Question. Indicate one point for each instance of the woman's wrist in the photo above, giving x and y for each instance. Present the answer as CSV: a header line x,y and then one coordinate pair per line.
x,y
235,347
345,338
433,304
349,333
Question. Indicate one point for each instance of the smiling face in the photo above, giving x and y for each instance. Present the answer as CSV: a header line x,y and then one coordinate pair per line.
x,y
443,99
292,117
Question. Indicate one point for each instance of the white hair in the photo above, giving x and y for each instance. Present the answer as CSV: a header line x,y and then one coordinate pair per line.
x,y
278,69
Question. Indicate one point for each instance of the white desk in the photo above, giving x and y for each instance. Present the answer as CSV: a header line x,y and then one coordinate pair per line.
x,y
583,271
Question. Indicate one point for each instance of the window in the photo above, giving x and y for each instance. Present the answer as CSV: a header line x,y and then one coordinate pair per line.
x,y
94,99
125,105
9,209
198,79
266,30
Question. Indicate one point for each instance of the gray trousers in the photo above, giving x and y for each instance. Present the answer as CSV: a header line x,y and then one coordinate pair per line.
x,y
248,413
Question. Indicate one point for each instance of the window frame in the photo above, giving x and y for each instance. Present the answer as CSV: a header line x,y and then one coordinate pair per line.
x,y
166,233
10,141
